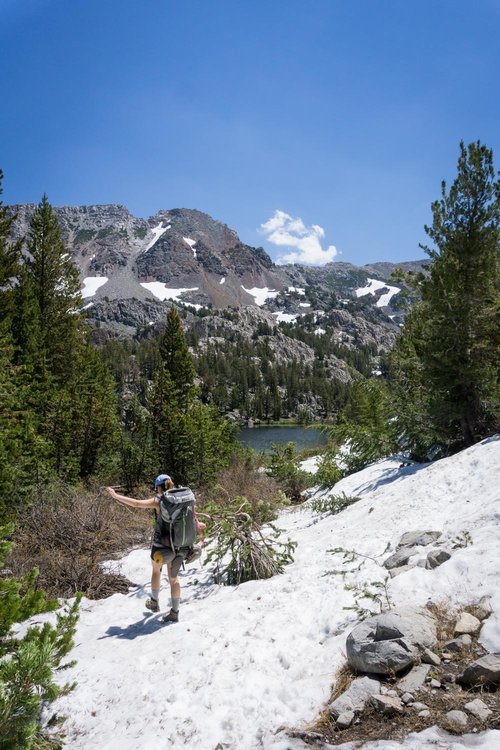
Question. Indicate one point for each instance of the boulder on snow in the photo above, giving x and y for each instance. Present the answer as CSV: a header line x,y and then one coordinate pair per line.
x,y
390,642
418,538
436,558
483,608
484,671
355,697
399,558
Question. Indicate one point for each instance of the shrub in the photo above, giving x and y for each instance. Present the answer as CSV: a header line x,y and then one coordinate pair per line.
x,y
328,473
68,532
283,467
27,664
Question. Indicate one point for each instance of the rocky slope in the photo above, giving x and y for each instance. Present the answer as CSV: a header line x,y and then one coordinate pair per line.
x,y
132,269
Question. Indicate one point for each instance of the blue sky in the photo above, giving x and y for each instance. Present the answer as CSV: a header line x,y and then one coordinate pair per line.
x,y
331,122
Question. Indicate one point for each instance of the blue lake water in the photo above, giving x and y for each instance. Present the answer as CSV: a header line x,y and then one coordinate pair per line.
x,y
261,438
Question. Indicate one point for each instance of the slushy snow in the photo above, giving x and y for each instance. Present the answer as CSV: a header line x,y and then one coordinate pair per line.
x,y
244,662
191,244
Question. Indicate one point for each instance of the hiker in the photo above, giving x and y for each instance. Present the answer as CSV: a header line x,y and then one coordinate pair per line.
x,y
163,549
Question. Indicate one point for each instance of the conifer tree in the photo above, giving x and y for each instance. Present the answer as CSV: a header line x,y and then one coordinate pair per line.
x,y
191,440
448,352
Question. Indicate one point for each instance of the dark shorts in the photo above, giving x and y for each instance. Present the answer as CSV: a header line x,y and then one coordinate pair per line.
x,y
166,556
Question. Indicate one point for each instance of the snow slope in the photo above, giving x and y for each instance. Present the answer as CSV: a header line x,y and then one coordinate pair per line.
x,y
244,662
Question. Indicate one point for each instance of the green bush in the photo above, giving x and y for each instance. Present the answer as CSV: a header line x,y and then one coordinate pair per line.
x,y
328,473
283,467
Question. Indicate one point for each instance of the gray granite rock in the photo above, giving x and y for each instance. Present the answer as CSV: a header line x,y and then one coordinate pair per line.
x,y
417,706
458,644
399,558
429,657
418,538
436,558
468,624
407,698
355,697
414,680
456,720
425,713
390,642
393,572
345,719
478,709
483,608
484,671
387,705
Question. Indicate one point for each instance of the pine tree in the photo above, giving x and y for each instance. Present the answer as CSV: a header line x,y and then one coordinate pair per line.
x,y
190,439
449,347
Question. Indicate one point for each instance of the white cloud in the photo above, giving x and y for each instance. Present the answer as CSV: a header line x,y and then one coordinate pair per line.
x,y
285,231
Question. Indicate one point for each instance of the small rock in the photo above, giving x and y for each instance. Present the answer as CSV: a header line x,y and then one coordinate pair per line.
x,y
355,697
459,644
399,558
456,720
478,709
448,677
345,719
392,693
467,623
386,704
483,608
407,698
425,713
436,558
484,671
414,680
435,684
420,706
429,657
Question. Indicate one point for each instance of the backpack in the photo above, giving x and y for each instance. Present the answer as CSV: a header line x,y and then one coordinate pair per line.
x,y
177,519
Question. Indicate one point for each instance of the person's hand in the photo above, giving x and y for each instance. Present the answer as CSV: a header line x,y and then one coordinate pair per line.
x,y
111,491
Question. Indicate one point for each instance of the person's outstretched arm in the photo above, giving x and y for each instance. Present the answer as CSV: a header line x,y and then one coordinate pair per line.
x,y
151,502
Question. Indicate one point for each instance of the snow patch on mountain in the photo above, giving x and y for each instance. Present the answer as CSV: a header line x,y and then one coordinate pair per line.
x,y
262,294
283,317
162,292
157,233
91,284
191,244
373,286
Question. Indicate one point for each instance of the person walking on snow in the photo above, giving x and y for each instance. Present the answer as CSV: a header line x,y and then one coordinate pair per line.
x,y
161,552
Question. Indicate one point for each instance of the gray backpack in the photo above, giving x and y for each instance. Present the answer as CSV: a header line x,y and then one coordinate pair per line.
x,y
179,528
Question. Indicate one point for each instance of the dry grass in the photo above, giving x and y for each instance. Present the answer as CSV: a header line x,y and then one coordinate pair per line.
x,y
241,479
68,532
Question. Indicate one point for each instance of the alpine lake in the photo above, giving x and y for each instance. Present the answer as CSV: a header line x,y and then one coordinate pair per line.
x,y
262,437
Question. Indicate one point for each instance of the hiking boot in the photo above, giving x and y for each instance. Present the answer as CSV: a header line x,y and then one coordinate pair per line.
x,y
172,616
193,554
152,604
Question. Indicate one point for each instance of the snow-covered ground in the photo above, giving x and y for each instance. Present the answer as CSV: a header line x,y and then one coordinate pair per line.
x,y
261,294
244,662
157,233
